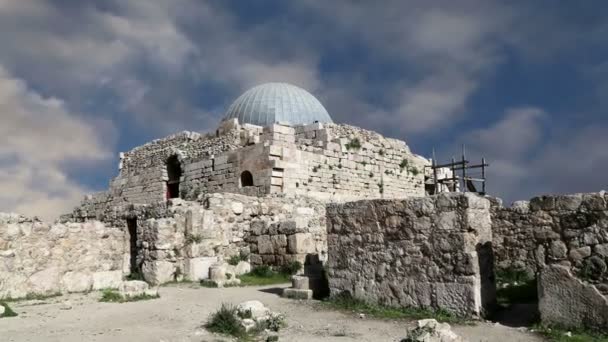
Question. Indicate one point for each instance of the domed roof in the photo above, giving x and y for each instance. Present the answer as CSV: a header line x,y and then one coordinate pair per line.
x,y
270,103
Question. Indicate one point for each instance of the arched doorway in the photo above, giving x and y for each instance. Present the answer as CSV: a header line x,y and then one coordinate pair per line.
x,y
174,172
246,179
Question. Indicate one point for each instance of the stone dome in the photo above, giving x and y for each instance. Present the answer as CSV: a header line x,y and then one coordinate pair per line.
x,y
270,103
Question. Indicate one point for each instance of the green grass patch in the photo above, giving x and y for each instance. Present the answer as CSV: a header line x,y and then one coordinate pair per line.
x,y
208,283
225,321
558,334
112,296
523,293
515,286
357,306
250,279
8,312
32,296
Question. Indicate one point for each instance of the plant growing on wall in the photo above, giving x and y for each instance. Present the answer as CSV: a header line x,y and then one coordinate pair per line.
x,y
404,164
381,187
354,144
193,238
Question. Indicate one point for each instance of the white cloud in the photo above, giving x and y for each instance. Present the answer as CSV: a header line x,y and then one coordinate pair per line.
x,y
40,141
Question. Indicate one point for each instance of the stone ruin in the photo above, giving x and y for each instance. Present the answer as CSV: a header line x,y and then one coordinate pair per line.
x,y
331,196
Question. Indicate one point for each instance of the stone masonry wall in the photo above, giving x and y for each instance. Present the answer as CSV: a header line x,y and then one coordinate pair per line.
x,y
191,236
514,243
341,162
565,238
432,252
41,258
326,161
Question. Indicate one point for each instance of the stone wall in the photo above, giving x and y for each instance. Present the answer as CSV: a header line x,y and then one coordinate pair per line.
x,y
185,238
513,238
41,258
326,161
432,252
341,162
564,240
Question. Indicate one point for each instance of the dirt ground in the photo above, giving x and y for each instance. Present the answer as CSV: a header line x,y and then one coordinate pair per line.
x,y
178,315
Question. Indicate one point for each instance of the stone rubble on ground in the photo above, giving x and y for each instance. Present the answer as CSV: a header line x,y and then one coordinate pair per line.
x,y
429,330
136,288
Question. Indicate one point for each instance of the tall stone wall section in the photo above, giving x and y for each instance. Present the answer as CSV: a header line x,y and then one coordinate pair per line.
x,y
341,162
194,235
41,258
565,238
432,252
326,161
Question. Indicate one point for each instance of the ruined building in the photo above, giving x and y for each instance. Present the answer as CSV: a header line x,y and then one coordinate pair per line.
x,y
279,182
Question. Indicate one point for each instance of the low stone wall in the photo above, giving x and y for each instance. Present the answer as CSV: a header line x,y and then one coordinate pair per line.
x,y
193,235
432,252
564,240
513,238
41,258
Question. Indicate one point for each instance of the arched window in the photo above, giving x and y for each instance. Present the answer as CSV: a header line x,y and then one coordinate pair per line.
x,y
174,171
246,179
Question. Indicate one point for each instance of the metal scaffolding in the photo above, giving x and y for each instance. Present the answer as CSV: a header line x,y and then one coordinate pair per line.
x,y
466,181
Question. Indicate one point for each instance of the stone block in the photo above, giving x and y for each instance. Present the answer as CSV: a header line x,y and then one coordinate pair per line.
x,y
558,250
568,202
76,282
253,308
45,281
579,254
107,280
567,301
462,299
297,294
279,242
265,245
158,272
300,243
237,208
198,268
135,288
242,267
300,282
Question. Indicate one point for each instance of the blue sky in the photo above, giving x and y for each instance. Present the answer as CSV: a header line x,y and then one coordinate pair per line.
x,y
522,83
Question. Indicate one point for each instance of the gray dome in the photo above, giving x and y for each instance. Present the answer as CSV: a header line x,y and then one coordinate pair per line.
x,y
270,103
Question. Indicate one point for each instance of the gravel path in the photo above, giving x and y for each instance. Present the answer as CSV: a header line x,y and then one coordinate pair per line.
x,y
181,310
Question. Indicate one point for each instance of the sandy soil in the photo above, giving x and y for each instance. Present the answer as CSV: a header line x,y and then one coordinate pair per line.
x,y
179,313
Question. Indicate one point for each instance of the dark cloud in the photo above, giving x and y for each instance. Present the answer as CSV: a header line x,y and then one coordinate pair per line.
x,y
409,69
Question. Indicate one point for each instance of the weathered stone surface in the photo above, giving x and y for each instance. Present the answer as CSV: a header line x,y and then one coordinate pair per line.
x,y
563,238
198,268
76,282
301,243
107,279
253,307
377,252
429,330
304,294
158,272
304,160
49,258
568,301
242,267
135,288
